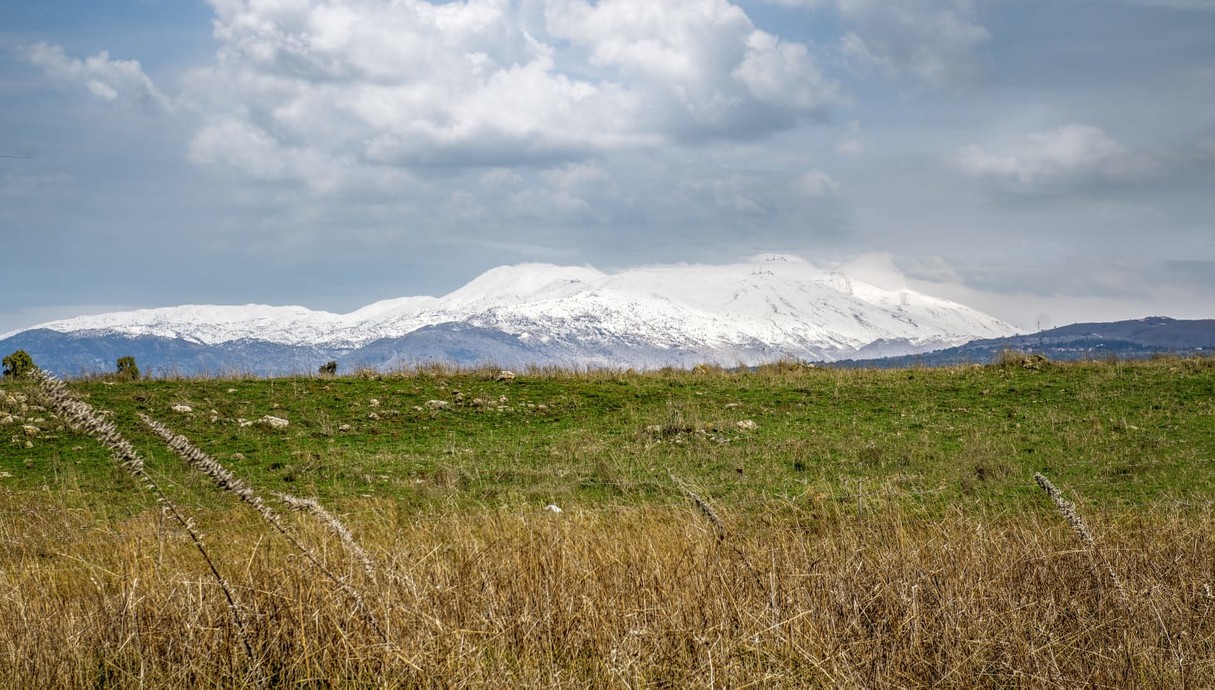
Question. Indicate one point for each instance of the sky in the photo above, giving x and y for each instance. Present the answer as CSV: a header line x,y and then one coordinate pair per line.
x,y
1046,161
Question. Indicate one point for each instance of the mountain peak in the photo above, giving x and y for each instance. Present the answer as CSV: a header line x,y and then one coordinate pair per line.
x,y
522,282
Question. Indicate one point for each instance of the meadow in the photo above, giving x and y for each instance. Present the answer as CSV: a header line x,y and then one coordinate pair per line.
x,y
790,526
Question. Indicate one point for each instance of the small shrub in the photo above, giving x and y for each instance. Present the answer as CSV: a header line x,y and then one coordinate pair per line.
x,y
328,368
127,369
18,365
1015,359
786,365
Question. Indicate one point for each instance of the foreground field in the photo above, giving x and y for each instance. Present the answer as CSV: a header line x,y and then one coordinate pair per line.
x,y
787,527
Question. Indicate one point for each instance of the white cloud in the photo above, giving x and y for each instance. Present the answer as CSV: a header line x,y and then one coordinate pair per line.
x,y
1071,150
783,75
489,82
816,183
702,62
876,268
239,144
698,67
106,79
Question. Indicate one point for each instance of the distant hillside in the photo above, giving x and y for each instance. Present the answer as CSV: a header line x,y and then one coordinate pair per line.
x,y
1128,339
78,354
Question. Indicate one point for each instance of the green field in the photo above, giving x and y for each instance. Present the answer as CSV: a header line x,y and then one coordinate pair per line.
x,y
1130,434
885,480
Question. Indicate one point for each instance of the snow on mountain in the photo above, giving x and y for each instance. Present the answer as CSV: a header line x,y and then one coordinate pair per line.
x,y
746,312
207,324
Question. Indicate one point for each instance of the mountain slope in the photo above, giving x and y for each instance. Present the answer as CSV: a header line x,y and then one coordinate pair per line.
x,y
745,313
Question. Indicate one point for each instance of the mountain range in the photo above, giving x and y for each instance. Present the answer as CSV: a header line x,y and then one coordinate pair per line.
x,y
752,312
1131,339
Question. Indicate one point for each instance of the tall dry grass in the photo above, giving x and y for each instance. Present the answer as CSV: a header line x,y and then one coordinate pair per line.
x,y
632,597
81,417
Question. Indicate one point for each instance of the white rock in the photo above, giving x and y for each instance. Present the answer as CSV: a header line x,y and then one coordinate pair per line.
x,y
746,425
182,408
552,508
274,422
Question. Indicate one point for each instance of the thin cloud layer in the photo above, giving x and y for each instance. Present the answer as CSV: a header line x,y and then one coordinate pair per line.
x,y
105,78
816,183
1068,151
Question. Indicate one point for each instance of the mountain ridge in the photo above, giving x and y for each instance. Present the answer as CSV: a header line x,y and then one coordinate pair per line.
x,y
664,315
1130,338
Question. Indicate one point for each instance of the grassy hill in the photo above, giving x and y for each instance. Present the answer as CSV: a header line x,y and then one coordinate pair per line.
x,y
785,526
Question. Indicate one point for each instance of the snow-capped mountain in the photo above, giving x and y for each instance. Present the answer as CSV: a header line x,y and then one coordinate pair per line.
x,y
746,313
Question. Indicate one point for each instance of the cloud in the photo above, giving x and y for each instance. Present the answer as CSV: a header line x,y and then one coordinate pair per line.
x,y
876,268
701,64
577,175
235,143
1072,150
935,42
488,83
107,79
501,177
1069,288
816,183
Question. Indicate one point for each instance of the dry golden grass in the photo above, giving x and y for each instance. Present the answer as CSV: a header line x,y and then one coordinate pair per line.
x,y
795,596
